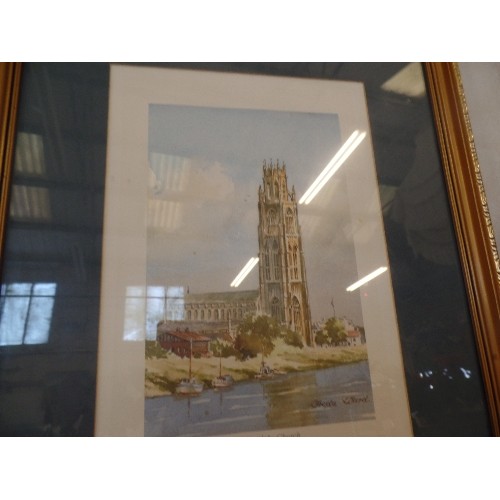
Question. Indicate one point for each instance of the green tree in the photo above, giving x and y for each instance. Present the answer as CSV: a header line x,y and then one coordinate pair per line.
x,y
321,338
293,338
256,336
335,330
222,348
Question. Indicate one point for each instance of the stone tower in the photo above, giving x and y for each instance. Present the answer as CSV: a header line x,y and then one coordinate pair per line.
x,y
282,271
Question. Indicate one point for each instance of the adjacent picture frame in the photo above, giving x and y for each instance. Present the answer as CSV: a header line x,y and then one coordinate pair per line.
x,y
472,226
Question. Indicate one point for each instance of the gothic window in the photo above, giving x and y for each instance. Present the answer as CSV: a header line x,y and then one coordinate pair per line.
x,y
202,313
297,316
222,314
209,314
189,315
195,314
216,315
289,221
271,217
275,308
294,260
267,269
276,189
276,260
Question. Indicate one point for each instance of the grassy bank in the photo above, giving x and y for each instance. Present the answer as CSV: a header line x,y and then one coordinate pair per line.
x,y
163,370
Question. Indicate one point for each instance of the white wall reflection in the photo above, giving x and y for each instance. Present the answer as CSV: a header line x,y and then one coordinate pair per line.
x,y
26,313
145,307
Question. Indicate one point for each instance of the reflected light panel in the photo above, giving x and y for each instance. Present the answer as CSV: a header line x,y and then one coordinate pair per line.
x,y
366,279
334,164
244,272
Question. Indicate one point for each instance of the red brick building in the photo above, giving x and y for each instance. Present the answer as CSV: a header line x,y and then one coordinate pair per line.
x,y
181,343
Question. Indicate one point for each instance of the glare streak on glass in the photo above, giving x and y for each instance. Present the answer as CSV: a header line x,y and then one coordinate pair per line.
x,y
244,272
366,279
26,312
334,164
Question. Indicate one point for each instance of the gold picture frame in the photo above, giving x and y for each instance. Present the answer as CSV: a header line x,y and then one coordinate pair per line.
x,y
476,243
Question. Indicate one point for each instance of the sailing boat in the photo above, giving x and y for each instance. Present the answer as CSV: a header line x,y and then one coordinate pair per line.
x,y
222,380
189,385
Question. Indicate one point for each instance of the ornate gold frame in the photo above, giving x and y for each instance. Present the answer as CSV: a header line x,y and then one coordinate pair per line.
x,y
10,84
479,256
472,222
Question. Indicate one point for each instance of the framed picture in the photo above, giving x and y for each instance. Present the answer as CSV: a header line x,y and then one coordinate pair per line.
x,y
370,305
220,166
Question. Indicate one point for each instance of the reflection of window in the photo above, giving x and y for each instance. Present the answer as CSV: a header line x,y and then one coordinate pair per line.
x,y
30,202
26,313
145,307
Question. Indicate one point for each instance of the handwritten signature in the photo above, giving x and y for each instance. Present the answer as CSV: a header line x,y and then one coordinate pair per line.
x,y
346,400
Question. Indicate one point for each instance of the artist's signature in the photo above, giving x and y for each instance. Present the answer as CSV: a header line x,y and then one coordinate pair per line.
x,y
345,400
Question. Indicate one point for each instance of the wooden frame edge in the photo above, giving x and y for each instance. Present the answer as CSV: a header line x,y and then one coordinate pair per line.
x,y
476,242
10,84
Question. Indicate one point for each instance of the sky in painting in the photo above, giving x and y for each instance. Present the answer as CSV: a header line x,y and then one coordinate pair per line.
x,y
205,169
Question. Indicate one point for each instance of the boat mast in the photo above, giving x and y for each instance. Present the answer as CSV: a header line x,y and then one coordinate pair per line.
x,y
190,356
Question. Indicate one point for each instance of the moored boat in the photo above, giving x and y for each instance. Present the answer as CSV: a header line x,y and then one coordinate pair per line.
x,y
189,385
222,381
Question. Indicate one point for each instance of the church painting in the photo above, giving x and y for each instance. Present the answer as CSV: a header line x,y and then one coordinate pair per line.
x,y
286,347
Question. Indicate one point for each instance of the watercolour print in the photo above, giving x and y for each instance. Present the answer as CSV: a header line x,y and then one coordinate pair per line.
x,y
284,346
209,174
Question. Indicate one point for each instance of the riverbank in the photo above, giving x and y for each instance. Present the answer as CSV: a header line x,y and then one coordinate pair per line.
x,y
163,373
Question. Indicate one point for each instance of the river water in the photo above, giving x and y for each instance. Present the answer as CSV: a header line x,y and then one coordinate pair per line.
x,y
331,395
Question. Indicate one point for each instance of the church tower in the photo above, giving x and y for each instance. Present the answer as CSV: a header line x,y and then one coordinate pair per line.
x,y
282,271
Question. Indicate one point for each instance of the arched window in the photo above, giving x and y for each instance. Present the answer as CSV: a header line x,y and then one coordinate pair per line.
x,y
297,314
267,269
202,314
216,315
189,315
289,221
209,314
276,260
276,189
275,309
271,217
293,251
222,314
195,314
